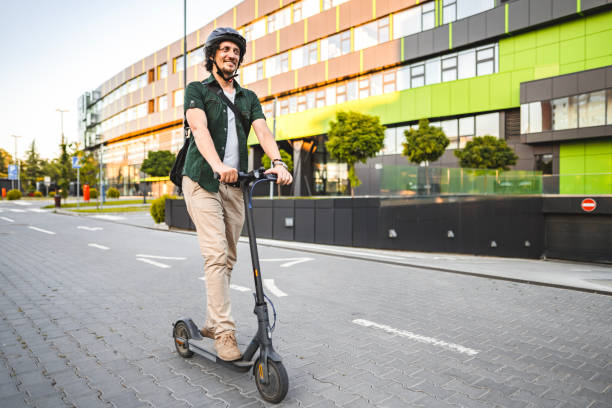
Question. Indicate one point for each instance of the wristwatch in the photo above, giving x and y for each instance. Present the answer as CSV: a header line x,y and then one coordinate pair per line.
x,y
279,161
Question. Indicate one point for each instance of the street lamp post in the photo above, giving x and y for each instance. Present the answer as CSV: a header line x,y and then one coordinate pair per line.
x,y
144,183
62,111
17,163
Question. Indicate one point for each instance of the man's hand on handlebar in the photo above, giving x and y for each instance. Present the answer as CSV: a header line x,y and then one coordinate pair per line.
x,y
282,174
226,173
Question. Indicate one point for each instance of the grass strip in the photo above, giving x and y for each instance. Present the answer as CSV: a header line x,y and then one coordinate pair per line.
x,y
94,204
113,210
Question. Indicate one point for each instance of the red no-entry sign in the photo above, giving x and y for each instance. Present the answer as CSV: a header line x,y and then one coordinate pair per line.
x,y
588,205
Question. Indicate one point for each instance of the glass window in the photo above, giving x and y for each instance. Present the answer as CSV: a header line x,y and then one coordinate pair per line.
x,y
351,90
272,66
403,78
376,86
564,113
301,103
260,70
196,56
297,57
524,118
330,95
383,30
341,94
389,82
485,61
428,16
535,117
449,11
592,109
449,69
400,138
312,53
178,64
407,22
609,114
417,76
467,8
297,11
293,104
450,129
310,8
366,35
390,143
487,124
279,19
336,45
432,71
466,131
258,29
248,32
320,99
249,73
162,103
162,71
467,64
178,97
310,100
543,163
364,88
327,4
284,106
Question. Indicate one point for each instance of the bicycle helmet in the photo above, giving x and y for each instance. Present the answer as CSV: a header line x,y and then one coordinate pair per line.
x,y
216,37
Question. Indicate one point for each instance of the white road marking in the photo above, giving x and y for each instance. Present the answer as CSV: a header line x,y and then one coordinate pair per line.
x,y
269,283
232,286
42,230
7,219
109,217
38,210
180,258
158,264
17,210
417,337
333,250
292,261
21,203
89,228
99,246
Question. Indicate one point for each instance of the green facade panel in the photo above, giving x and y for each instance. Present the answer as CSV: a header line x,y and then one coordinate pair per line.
x,y
586,167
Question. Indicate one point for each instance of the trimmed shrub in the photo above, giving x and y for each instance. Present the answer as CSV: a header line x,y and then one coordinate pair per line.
x,y
51,193
93,193
112,193
38,194
13,194
158,208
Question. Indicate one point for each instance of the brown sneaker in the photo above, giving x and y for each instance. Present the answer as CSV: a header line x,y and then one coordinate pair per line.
x,y
227,347
205,332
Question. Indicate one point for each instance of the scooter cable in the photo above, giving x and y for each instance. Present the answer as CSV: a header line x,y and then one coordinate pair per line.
x,y
251,192
273,312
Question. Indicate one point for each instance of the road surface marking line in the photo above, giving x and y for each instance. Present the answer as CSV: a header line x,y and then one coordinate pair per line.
x,y
42,230
269,283
98,246
109,217
240,288
417,337
7,219
21,203
158,264
292,261
89,228
38,210
331,250
180,258
17,210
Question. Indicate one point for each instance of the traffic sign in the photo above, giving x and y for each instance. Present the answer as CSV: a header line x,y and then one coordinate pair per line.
x,y
12,172
588,205
75,162
47,181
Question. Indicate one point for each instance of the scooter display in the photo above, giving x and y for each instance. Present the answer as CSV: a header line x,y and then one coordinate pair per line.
x,y
271,377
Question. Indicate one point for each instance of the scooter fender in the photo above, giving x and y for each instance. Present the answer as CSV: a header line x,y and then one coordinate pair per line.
x,y
194,332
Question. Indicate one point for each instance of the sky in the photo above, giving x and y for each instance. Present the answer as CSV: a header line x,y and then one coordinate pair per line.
x,y
54,51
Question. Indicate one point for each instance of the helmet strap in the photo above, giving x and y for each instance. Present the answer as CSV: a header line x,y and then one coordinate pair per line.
x,y
220,73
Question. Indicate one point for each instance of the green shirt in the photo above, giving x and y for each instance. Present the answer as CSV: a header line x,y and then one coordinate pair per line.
x,y
199,95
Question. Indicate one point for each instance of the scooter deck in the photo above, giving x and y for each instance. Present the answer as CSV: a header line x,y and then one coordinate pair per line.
x,y
201,347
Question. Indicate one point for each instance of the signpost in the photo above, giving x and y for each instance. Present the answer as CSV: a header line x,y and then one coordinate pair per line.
x,y
47,183
12,174
588,205
77,165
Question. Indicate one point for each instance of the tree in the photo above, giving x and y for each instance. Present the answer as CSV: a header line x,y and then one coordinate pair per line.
x,y
5,160
425,144
158,164
486,152
354,137
66,175
32,169
286,157
89,168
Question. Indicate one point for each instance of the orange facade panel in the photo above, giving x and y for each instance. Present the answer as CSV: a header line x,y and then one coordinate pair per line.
x,y
311,74
260,88
291,36
343,66
385,54
321,25
267,6
245,12
192,40
265,46
359,12
384,7
175,51
283,83
226,19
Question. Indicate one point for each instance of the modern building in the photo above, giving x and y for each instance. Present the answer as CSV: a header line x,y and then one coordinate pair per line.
x,y
537,73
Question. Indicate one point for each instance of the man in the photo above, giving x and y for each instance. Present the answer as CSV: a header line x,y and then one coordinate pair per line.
x,y
219,145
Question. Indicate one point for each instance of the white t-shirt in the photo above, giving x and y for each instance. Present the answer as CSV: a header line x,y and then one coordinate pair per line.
x,y
232,155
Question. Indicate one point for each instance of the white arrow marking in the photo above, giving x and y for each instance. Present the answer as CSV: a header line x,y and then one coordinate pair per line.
x,y
42,230
99,246
180,258
7,219
272,288
109,217
21,203
17,210
158,264
89,228
292,261
418,337
232,286
38,210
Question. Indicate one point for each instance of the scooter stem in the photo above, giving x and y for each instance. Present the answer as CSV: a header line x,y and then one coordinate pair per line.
x,y
259,295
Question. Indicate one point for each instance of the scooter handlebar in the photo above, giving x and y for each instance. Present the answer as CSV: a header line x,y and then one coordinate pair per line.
x,y
253,175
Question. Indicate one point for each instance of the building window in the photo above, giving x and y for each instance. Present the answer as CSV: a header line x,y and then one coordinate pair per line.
x,y
320,99
487,124
564,113
309,8
609,98
341,94
466,130
403,78
407,22
428,18
310,100
312,51
151,106
327,4
277,64
467,64
178,64
351,90
449,11
336,45
417,75
485,61
278,20
592,109
267,109
177,97
364,88
258,29
389,82
297,12
376,85
284,106
260,70
466,8
449,69
162,103
432,71
248,33
301,103
543,163
249,74
372,33
151,75
450,129
196,56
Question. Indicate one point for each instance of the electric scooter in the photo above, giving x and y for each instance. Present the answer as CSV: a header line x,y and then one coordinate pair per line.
x,y
270,375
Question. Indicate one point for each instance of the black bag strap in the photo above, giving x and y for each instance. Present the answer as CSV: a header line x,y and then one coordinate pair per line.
x,y
217,89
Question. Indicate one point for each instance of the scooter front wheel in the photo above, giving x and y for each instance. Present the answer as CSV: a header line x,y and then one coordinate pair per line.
x,y
278,381
181,337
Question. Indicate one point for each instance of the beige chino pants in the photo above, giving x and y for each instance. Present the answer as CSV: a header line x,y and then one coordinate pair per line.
x,y
218,218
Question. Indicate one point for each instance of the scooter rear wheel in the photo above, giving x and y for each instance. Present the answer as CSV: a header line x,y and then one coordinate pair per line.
x,y
181,335
278,381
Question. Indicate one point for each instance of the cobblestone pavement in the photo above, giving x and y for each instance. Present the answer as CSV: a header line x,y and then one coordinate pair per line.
x,y
90,326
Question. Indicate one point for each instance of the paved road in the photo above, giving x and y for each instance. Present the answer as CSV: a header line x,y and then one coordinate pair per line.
x,y
86,309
